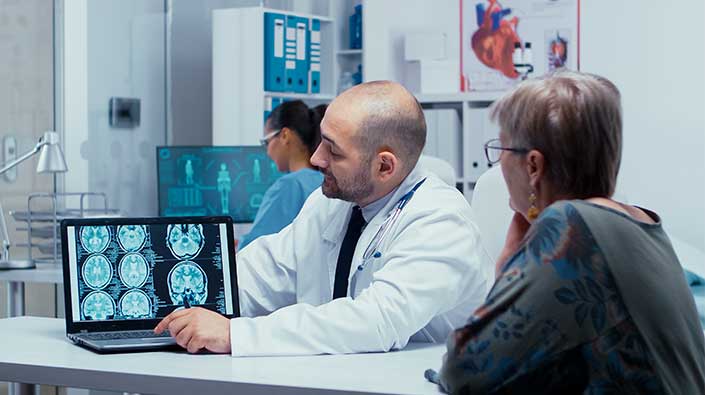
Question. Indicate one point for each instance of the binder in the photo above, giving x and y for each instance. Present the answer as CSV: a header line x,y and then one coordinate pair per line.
x,y
302,58
290,54
274,71
315,57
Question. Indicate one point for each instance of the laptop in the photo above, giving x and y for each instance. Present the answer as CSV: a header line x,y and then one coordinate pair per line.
x,y
123,275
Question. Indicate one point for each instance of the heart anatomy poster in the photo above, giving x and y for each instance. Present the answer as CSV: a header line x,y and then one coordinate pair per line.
x,y
504,42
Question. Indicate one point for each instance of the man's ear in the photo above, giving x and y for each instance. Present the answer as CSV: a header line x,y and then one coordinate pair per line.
x,y
535,168
387,165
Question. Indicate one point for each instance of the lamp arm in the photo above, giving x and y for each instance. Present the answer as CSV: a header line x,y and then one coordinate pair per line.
x,y
24,157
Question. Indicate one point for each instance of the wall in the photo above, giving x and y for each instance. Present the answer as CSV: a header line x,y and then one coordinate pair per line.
x,y
26,111
656,56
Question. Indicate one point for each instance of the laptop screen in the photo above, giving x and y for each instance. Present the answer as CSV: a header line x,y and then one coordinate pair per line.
x,y
208,180
144,270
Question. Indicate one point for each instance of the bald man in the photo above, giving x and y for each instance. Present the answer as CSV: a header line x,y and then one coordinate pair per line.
x,y
382,254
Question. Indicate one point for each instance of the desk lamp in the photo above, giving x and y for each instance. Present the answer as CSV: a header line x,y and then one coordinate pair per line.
x,y
51,160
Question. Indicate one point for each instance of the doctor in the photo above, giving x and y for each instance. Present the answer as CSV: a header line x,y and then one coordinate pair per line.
x,y
383,253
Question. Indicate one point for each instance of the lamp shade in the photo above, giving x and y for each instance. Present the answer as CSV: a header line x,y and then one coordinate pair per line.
x,y
51,158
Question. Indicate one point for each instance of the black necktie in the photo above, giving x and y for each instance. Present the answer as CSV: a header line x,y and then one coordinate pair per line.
x,y
342,269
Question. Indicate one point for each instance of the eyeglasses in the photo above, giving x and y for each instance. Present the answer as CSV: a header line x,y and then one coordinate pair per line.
x,y
268,137
494,149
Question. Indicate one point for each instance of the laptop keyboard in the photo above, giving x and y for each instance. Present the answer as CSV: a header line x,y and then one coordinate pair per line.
x,y
123,335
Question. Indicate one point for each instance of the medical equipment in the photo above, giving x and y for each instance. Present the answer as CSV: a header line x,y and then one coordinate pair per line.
x,y
372,250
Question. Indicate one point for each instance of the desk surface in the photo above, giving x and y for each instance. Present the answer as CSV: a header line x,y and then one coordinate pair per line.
x,y
35,350
43,273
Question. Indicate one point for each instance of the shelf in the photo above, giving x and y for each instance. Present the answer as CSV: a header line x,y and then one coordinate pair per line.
x,y
310,16
301,96
349,52
458,97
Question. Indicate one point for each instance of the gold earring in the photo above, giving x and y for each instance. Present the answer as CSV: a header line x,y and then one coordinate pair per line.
x,y
533,210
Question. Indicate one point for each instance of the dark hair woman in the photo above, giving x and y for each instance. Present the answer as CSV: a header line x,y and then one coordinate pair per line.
x,y
291,134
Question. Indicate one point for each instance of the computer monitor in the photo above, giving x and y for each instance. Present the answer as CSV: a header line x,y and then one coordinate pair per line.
x,y
207,180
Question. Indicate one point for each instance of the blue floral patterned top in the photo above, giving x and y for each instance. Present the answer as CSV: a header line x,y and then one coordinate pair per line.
x,y
554,322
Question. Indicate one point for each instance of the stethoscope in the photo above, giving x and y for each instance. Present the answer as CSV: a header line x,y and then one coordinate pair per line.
x,y
372,250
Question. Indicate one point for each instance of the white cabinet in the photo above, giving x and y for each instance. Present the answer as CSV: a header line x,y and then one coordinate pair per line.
x,y
460,138
239,96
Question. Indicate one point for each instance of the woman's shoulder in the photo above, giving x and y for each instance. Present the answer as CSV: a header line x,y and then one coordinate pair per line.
x,y
560,213
296,183
595,211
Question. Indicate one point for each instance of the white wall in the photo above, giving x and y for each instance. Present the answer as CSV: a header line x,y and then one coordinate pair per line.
x,y
386,22
26,111
655,53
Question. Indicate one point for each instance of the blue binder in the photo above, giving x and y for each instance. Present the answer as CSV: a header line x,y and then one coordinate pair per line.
x,y
290,54
302,58
315,56
274,72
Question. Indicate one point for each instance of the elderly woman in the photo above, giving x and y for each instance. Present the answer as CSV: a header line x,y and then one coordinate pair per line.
x,y
589,296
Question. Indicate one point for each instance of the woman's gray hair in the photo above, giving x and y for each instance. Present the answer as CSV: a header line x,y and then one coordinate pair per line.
x,y
575,120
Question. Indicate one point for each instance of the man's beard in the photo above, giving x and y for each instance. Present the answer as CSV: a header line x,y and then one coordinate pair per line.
x,y
351,189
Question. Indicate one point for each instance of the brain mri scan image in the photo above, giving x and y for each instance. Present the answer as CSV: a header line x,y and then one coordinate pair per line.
x,y
185,241
98,305
131,237
135,304
95,239
133,270
97,271
187,281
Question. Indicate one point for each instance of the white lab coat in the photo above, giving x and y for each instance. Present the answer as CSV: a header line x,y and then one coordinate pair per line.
x,y
432,274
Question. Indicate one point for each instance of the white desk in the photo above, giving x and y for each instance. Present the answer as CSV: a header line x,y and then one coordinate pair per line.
x,y
43,273
35,350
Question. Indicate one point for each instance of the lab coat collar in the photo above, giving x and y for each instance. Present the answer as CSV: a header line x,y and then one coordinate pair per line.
x,y
371,229
335,231
371,210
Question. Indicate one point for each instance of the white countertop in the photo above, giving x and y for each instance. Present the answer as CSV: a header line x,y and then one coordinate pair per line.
x,y
35,350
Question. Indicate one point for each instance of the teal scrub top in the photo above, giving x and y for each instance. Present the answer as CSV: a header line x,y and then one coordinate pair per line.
x,y
282,203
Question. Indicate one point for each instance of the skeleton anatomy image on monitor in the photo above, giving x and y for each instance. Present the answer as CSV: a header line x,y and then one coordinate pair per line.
x,y
214,180
147,271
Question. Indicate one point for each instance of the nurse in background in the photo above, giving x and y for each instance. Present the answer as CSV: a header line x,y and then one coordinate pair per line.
x,y
291,134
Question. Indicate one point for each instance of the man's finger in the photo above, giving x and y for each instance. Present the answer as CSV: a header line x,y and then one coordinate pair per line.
x,y
164,323
184,337
195,345
177,325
